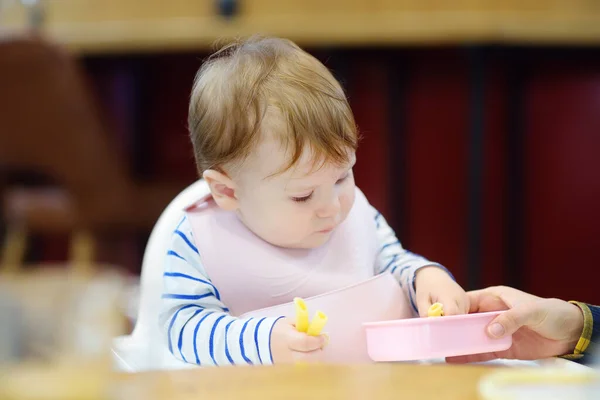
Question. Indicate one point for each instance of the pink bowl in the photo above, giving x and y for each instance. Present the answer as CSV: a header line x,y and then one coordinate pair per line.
x,y
435,337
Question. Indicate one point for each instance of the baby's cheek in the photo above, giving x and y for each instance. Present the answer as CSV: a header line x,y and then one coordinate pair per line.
x,y
346,202
296,222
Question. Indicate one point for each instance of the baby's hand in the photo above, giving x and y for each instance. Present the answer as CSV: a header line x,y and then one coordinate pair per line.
x,y
434,285
289,346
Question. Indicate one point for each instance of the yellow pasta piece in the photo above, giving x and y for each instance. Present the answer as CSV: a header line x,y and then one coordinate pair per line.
x,y
301,315
436,310
317,324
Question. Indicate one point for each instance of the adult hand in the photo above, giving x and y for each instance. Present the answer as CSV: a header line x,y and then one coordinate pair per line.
x,y
541,328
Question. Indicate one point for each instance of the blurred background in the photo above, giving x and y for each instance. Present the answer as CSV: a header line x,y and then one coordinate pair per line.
x,y
480,123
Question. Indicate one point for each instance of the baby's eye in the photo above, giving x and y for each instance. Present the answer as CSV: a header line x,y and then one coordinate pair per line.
x,y
302,199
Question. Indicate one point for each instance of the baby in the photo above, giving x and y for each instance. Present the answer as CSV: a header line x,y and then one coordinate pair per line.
x,y
275,140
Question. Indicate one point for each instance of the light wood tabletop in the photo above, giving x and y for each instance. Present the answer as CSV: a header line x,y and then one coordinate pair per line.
x,y
109,26
307,382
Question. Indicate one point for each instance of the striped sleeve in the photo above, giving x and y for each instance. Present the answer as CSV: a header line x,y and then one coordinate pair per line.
x,y
395,259
196,323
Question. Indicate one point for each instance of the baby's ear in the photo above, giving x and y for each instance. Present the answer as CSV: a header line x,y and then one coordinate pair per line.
x,y
222,189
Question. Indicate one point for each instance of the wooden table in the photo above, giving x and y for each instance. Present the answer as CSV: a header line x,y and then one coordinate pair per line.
x,y
307,382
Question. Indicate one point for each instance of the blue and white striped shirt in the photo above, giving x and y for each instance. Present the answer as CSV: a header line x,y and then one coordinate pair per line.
x,y
197,324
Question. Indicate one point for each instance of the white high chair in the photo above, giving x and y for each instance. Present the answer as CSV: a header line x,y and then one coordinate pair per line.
x,y
144,348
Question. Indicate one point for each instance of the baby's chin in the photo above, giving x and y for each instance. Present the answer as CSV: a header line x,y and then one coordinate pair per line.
x,y
311,242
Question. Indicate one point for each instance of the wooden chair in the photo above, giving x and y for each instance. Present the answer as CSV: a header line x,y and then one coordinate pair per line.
x,y
49,125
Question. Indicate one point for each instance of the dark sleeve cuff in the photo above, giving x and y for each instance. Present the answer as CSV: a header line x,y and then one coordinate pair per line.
x,y
595,336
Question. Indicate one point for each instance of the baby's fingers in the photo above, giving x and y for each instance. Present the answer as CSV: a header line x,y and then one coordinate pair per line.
x,y
303,343
423,304
451,307
455,305
308,358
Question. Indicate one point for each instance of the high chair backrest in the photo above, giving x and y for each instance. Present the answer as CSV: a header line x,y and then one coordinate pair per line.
x,y
151,284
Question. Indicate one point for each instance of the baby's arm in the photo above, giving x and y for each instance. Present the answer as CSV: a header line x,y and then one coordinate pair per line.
x,y
195,321
401,263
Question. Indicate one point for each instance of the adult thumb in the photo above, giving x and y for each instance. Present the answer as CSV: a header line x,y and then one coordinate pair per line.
x,y
512,320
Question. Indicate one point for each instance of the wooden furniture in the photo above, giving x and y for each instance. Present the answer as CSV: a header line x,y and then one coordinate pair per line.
x,y
92,26
373,382
49,125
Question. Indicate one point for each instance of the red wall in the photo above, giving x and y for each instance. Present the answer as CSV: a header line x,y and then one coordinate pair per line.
x,y
562,228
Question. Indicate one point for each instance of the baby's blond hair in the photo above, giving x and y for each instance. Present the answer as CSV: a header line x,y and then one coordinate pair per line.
x,y
238,84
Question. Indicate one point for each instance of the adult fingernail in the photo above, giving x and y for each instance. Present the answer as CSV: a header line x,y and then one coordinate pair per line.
x,y
496,330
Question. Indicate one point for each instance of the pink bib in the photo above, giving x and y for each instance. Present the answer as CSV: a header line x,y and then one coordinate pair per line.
x,y
258,279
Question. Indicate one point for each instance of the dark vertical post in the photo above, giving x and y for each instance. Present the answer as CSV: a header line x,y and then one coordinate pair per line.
x,y
397,112
475,165
515,168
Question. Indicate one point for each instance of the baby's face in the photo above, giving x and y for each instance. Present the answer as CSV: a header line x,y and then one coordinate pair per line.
x,y
299,208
